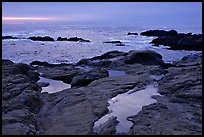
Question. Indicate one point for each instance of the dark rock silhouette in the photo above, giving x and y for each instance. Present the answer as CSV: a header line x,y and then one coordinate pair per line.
x,y
8,37
113,42
145,57
132,33
75,39
117,43
39,38
180,42
159,33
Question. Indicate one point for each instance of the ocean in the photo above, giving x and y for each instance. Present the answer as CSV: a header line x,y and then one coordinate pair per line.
x,y
25,51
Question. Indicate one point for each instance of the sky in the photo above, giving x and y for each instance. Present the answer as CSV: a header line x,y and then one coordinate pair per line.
x,y
103,13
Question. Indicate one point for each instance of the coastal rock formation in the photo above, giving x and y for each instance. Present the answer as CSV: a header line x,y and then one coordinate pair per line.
x,y
181,105
74,39
132,33
8,37
39,38
159,33
145,57
117,43
86,78
113,42
20,99
74,111
39,63
176,41
180,42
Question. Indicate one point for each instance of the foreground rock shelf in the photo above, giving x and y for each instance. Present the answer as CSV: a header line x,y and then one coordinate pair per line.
x,y
73,111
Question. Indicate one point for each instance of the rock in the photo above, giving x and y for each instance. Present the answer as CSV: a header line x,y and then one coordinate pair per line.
x,y
61,39
109,127
20,99
121,44
132,33
44,63
75,39
8,37
43,84
34,76
6,62
145,57
73,111
88,77
159,33
39,38
110,54
180,42
104,60
59,72
66,112
188,78
180,105
113,42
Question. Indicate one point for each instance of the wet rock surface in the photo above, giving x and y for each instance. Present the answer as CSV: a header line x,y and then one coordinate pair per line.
x,y
75,110
20,99
179,110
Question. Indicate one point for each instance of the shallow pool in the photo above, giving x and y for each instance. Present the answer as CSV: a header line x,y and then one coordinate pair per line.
x,y
55,85
125,105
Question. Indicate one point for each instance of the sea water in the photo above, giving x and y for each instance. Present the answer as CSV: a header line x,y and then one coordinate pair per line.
x,y
25,51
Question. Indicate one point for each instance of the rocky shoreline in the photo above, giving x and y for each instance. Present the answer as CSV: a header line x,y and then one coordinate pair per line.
x,y
26,111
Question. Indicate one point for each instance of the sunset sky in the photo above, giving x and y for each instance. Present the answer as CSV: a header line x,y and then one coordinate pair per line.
x,y
118,13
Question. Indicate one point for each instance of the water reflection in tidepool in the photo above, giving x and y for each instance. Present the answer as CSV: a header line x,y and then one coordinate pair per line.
x,y
125,105
55,85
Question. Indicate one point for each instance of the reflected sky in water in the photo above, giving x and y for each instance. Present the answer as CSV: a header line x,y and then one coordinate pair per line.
x,y
55,85
128,104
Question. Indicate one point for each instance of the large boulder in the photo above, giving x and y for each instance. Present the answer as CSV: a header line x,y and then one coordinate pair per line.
x,y
148,57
